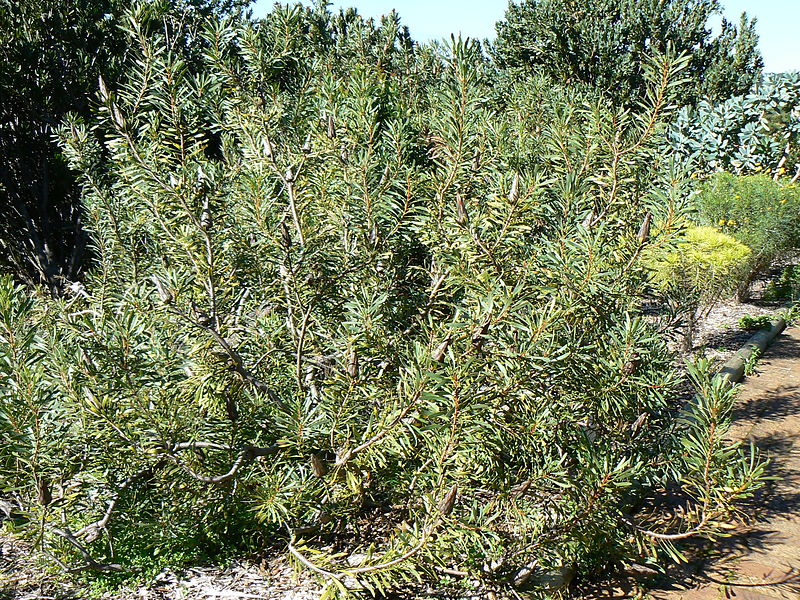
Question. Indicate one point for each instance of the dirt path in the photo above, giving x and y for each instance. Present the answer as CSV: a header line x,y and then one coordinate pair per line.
x,y
762,560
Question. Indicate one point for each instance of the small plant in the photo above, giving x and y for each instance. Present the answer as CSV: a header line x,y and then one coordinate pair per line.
x,y
751,362
791,315
750,323
785,287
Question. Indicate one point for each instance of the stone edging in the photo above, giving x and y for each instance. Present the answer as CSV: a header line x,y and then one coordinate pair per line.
x,y
734,368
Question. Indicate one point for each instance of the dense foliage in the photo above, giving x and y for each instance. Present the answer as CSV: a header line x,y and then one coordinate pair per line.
x,y
325,306
42,77
755,132
786,286
604,44
761,213
702,267
51,54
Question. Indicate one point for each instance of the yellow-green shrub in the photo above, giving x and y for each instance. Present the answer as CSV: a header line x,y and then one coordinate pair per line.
x,y
759,212
703,258
701,267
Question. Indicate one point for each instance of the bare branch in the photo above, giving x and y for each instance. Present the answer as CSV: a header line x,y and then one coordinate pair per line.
x,y
91,563
668,536
236,358
246,455
92,531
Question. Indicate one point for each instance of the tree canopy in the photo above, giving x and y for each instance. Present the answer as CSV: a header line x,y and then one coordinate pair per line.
x,y
602,44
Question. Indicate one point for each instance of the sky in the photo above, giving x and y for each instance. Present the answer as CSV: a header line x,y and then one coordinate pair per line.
x,y
778,21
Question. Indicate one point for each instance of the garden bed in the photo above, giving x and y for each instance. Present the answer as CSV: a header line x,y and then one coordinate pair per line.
x,y
719,336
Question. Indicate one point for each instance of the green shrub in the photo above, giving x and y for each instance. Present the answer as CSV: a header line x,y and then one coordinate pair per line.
x,y
759,212
750,323
602,44
327,303
785,287
753,133
52,53
701,266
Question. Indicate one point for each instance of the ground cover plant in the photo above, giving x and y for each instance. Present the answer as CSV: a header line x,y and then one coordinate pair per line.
x,y
344,305
752,323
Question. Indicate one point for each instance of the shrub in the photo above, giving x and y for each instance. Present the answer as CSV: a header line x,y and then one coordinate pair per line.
x,y
785,287
759,212
51,53
757,132
316,316
603,44
703,265
751,323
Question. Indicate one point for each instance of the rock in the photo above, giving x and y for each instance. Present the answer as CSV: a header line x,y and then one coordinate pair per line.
x,y
639,571
554,580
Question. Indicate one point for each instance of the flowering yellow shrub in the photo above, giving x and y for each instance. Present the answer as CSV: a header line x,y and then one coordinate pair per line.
x,y
761,213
